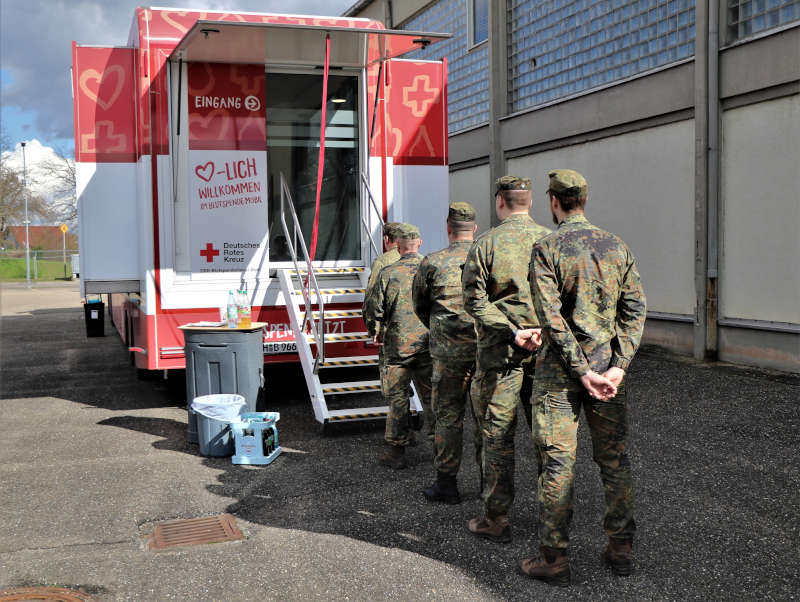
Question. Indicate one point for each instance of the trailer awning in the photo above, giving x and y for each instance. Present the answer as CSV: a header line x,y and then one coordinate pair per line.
x,y
289,44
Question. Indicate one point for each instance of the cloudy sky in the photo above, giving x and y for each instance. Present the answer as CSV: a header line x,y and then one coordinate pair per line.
x,y
35,39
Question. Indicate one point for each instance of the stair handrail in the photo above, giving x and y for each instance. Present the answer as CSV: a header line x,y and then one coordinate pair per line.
x,y
373,205
317,329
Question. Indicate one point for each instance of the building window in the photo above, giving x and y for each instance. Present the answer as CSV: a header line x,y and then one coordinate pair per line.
x,y
478,21
467,67
561,47
748,17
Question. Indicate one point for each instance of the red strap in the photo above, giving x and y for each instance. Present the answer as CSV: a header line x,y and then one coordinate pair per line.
x,y
321,159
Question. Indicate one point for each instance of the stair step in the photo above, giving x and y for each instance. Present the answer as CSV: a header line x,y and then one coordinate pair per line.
x,y
364,386
360,414
342,337
339,313
340,362
333,291
348,270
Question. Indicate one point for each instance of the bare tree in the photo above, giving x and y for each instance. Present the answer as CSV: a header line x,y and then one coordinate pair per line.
x,y
12,200
61,173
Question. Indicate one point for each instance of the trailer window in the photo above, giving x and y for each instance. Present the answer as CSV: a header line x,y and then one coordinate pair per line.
x,y
293,105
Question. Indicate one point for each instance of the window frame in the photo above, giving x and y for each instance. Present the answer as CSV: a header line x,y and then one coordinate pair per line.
x,y
471,43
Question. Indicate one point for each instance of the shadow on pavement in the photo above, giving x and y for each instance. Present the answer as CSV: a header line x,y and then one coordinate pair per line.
x,y
714,452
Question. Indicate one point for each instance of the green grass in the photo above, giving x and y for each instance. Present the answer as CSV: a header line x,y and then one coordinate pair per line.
x,y
14,269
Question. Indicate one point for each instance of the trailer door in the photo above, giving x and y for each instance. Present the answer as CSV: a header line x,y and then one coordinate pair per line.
x,y
103,86
294,102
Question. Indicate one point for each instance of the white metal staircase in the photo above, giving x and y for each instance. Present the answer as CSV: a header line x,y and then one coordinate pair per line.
x,y
306,302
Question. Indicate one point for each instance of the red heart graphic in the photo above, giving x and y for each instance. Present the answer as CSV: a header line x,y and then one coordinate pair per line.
x,y
206,172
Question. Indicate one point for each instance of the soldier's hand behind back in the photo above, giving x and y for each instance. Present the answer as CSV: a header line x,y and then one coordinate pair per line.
x,y
615,375
529,338
598,386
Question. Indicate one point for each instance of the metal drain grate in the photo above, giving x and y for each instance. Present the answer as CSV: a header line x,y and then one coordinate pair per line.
x,y
51,594
194,531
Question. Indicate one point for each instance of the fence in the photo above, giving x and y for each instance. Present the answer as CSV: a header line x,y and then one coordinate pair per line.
x,y
44,265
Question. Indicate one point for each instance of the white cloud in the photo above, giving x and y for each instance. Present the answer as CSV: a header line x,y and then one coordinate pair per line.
x,y
36,156
36,37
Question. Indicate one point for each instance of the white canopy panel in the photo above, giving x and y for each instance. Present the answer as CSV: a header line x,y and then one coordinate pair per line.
x,y
290,44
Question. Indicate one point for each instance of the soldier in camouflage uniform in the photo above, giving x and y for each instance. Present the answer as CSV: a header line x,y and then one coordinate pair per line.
x,y
390,255
498,296
406,357
439,304
591,306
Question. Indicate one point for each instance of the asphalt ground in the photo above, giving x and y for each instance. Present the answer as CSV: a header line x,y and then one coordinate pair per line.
x,y
91,457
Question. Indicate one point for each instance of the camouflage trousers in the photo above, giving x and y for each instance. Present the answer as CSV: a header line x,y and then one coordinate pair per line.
x,y
396,379
555,435
450,384
497,394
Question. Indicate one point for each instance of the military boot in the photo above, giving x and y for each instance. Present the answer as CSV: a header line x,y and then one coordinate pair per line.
x,y
618,555
550,566
496,529
444,490
393,456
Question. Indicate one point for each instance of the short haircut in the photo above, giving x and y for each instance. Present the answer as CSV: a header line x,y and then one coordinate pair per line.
x,y
569,202
408,243
459,226
516,199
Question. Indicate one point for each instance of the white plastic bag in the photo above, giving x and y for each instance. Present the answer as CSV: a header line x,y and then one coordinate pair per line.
x,y
225,407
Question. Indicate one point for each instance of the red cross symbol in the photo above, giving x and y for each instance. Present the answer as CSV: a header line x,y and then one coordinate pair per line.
x,y
209,252
423,95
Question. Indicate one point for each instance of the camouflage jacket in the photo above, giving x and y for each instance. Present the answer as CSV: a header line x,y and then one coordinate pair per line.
x,y
439,303
391,305
589,301
388,258
496,289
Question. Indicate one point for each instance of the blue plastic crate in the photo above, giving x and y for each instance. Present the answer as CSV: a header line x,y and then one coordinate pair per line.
x,y
256,438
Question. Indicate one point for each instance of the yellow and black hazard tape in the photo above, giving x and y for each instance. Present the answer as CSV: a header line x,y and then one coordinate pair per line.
x,y
349,313
334,362
359,416
330,338
352,389
334,291
331,271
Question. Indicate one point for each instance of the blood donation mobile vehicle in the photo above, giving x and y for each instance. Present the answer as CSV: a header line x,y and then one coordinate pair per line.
x,y
202,167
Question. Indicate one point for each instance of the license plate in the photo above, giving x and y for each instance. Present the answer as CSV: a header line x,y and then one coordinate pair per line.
x,y
277,348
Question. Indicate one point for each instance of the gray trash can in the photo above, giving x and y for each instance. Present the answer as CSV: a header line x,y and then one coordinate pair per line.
x,y
214,415
221,360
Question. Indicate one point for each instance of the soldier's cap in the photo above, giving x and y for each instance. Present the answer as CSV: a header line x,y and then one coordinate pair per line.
x,y
511,183
408,232
460,212
390,229
568,183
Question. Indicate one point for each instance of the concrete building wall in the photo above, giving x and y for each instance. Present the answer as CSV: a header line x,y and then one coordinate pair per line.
x,y
474,186
760,275
719,265
648,200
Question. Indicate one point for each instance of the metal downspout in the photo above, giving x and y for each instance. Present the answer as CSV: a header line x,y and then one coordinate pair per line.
x,y
712,288
498,95
707,129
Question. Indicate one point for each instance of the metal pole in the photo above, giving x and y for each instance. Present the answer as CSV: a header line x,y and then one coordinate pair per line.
x,y
27,236
64,249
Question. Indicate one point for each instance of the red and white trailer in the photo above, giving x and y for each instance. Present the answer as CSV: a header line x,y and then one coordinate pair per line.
x,y
182,141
